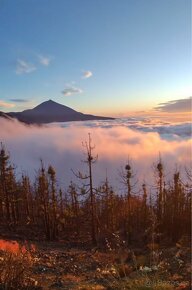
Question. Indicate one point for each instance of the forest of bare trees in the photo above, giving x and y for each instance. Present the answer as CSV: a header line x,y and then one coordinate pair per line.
x,y
42,210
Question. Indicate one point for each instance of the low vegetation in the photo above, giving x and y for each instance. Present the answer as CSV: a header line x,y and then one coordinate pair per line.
x,y
16,263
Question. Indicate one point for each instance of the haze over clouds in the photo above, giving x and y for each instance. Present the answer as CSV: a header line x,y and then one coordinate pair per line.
x,y
62,147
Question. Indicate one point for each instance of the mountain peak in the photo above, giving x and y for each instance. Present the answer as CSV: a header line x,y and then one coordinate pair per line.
x,y
51,105
51,111
51,102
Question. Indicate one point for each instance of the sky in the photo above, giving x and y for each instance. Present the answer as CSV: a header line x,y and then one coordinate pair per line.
x,y
107,57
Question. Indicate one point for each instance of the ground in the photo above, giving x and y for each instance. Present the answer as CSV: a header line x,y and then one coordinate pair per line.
x,y
59,266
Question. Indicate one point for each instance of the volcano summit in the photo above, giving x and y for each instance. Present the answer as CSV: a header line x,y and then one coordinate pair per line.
x,y
49,112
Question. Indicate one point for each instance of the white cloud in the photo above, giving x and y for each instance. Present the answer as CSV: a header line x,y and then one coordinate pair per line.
x,y
24,67
44,60
87,74
4,104
71,90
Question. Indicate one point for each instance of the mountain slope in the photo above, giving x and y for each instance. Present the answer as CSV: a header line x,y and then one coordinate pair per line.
x,y
5,116
50,111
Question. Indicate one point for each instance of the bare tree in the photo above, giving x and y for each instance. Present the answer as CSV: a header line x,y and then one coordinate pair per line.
x,y
88,187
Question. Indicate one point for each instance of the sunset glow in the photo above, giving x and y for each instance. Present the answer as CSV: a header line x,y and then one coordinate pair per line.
x,y
95,144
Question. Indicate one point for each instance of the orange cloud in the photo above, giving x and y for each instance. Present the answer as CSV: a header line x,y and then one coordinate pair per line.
x,y
4,104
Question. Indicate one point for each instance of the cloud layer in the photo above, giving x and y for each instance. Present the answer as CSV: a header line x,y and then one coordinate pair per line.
x,y
182,105
62,147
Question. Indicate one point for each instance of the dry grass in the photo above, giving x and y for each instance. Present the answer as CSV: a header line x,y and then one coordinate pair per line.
x,y
141,283
16,262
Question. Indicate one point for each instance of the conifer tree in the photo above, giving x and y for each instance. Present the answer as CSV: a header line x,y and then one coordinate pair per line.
x,y
53,212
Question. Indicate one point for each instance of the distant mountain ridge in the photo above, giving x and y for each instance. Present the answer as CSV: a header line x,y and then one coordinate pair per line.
x,y
49,112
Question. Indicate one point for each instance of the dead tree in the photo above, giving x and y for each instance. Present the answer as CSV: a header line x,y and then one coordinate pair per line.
x,y
89,190
4,196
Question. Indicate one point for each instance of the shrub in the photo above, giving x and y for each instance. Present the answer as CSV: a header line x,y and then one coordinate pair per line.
x,y
16,266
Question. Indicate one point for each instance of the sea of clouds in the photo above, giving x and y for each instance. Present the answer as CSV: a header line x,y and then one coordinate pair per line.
x,y
139,139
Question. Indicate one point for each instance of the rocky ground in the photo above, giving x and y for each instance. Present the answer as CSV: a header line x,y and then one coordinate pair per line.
x,y
59,266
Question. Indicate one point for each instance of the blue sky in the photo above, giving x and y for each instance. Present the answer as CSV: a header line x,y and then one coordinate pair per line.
x,y
97,56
